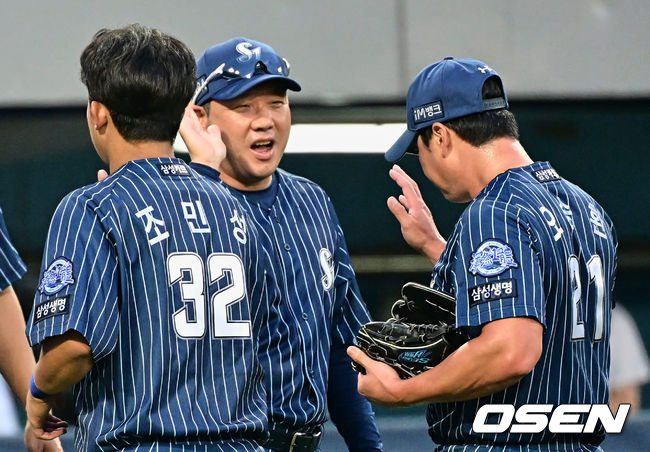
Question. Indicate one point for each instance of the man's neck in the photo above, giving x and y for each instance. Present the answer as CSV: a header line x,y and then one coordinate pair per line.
x,y
127,151
498,157
256,185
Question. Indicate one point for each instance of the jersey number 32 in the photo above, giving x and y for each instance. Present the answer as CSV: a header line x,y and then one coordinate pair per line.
x,y
187,269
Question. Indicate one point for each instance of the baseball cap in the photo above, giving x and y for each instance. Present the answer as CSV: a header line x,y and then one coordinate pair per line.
x,y
445,90
231,68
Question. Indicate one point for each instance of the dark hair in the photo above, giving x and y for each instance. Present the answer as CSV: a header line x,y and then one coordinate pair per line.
x,y
143,76
480,128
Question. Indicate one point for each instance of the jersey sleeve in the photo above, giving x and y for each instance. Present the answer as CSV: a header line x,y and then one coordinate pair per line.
x,y
496,268
78,285
350,310
11,267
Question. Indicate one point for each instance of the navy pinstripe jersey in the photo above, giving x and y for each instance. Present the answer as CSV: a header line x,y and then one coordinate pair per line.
x,y
159,269
320,307
11,267
532,244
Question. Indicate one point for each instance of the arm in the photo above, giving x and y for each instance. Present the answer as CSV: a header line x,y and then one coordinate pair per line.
x,y
506,351
65,360
16,358
17,363
418,228
349,411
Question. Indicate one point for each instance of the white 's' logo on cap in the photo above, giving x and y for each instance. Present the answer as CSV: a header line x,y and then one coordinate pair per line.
x,y
485,68
244,49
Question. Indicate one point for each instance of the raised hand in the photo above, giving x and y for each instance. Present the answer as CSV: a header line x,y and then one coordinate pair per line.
x,y
205,145
418,228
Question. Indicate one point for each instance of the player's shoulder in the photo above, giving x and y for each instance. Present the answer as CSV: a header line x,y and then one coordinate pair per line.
x,y
499,197
92,194
294,179
301,184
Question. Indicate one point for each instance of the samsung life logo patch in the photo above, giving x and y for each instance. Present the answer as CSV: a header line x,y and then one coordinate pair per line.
x,y
50,308
427,112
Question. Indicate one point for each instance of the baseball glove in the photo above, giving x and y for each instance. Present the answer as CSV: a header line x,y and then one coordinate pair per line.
x,y
421,304
408,348
418,337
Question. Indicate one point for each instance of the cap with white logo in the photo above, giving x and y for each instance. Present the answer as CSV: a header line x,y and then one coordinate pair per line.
x,y
445,90
229,69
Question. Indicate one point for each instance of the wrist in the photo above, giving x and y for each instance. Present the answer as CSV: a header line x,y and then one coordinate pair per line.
x,y
36,392
433,249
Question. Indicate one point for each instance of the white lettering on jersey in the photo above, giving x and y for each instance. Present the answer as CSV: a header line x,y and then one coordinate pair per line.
x,y
327,265
552,222
597,221
195,217
150,223
239,231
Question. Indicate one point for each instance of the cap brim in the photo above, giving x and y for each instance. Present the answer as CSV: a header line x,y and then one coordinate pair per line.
x,y
403,144
239,86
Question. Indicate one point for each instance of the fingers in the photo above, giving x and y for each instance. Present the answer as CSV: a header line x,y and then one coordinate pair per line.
x,y
357,355
53,434
101,175
53,422
397,209
406,183
189,121
404,201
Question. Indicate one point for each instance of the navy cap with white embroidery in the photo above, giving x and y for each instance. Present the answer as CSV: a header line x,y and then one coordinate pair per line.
x,y
445,90
229,69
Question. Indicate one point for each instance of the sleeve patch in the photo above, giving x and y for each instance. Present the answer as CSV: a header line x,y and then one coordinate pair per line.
x,y
50,308
58,275
489,291
492,258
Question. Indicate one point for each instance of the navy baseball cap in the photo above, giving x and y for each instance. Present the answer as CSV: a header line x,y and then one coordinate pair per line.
x,y
445,90
229,69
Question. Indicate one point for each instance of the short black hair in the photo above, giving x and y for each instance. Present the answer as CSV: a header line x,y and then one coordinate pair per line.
x,y
481,128
143,76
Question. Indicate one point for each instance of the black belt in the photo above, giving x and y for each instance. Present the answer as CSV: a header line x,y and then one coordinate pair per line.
x,y
305,440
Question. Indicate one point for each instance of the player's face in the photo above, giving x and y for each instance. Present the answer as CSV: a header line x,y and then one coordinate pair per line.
x,y
445,173
255,129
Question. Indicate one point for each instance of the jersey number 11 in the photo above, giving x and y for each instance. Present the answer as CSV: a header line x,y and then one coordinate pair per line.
x,y
597,278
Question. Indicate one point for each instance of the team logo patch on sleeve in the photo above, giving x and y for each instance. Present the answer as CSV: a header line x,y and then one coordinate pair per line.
x,y
489,291
492,258
58,275
50,308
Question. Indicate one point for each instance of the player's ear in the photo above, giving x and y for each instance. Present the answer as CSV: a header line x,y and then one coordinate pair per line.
x,y
99,114
201,112
441,138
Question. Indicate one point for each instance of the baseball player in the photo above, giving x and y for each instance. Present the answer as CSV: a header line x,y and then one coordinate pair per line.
x,y
243,91
153,286
530,262
16,359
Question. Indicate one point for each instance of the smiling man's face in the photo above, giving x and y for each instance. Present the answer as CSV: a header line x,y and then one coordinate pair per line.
x,y
255,129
